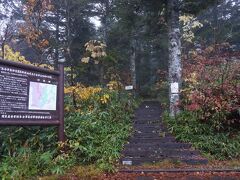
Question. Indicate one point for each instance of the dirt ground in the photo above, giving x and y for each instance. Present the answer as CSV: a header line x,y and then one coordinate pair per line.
x,y
173,176
160,176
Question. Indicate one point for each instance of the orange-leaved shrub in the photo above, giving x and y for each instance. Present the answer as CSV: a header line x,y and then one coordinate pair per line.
x,y
211,87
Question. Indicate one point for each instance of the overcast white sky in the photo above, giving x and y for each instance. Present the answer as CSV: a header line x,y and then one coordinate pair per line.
x,y
6,10
95,20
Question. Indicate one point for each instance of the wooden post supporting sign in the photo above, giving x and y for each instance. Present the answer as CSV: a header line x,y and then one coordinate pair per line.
x,y
61,136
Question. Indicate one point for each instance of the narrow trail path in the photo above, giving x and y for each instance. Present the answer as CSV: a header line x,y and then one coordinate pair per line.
x,y
152,143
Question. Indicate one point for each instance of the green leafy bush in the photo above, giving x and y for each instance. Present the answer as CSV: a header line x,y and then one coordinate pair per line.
x,y
27,164
220,145
95,133
100,133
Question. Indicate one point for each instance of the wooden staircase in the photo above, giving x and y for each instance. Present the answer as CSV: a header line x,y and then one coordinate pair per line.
x,y
151,142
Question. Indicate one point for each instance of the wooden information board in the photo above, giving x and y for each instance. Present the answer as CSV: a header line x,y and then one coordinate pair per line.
x,y
31,96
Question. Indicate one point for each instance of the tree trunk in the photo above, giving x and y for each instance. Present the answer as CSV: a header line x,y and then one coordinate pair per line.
x,y
175,67
133,64
105,19
3,50
57,39
215,23
101,72
68,42
105,24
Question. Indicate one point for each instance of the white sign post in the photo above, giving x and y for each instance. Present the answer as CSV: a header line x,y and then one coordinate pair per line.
x,y
174,88
128,88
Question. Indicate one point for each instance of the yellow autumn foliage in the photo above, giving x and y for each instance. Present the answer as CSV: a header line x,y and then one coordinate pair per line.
x,y
96,49
85,60
192,80
86,98
82,93
189,24
10,55
105,98
114,85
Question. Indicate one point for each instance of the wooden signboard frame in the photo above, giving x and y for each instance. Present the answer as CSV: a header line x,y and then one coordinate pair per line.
x,y
12,70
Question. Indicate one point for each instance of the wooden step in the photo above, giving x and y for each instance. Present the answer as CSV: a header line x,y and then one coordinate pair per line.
x,y
148,122
141,161
161,151
150,130
148,126
148,115
140,134
152,140
158,145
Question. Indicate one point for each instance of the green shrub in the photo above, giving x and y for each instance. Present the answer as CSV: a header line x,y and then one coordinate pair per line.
x,y
99,135
94,136
220,145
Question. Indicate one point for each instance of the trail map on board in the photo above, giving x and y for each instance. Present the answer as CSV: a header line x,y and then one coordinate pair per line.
x,y
42,96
